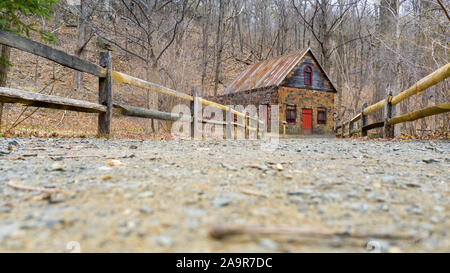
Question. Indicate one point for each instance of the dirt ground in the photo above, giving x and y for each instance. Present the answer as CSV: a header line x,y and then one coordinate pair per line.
x,y
166,196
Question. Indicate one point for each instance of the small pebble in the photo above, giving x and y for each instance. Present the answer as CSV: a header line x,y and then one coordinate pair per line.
x,y
221,202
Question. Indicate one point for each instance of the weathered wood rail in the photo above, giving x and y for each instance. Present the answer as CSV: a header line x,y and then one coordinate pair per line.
x,y
105,106
9,95
346,127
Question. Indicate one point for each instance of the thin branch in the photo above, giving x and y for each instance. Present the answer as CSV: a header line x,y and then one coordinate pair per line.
x,y
17,122
174,31
443,9
220,232
38,189
349,41
73,8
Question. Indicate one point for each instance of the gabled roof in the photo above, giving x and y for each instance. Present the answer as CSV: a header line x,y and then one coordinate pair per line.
x,y
269,73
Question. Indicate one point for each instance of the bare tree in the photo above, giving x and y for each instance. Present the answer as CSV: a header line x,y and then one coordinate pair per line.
x,y
322,23
155,25
368,48
5,54
223,4
206,21
82,41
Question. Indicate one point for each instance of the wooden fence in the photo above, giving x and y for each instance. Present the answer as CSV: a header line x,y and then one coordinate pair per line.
x,y
105,106
346,128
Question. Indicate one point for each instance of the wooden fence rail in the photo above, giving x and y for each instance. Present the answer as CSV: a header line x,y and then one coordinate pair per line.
x,y
388,123
412,116
105,108
64,59
8,95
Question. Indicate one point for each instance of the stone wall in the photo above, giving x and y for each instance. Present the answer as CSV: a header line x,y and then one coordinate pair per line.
x,y
308,99
302,98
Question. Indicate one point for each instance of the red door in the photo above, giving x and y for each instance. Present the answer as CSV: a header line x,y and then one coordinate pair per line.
x,y
307,121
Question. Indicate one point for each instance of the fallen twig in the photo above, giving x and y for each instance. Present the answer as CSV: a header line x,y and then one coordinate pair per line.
x,y
254,193
62,118
220,232
75,156
16,158
37,149
7,205
27,188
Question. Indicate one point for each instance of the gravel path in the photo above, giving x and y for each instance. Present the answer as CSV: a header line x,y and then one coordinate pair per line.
x,y
161,196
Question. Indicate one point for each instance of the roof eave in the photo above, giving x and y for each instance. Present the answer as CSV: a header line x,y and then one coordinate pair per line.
x,y
250,90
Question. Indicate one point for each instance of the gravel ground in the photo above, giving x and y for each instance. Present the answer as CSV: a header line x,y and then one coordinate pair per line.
x,y
161,196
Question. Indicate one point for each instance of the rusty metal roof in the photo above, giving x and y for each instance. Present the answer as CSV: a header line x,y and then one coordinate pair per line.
x,y
267,73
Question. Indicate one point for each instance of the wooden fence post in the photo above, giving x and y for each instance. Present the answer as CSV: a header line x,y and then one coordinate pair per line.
x,y
258,129
247,126
263,129
194,112
388,129
350,129
229,127
363,121
263,111
105,96
343,130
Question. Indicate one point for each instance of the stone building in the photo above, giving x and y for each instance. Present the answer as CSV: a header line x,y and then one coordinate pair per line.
x,y
297,83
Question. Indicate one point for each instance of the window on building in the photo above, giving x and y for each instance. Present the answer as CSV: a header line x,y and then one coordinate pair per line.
x,y
308,72
321,116
291,114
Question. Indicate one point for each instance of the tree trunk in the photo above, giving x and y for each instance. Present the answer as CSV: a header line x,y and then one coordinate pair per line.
x,y
152,97
324,36
398,66
304,28
5,54
219,48
385,74
205,34
263,35
339,82
422,42
241,40
80,50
